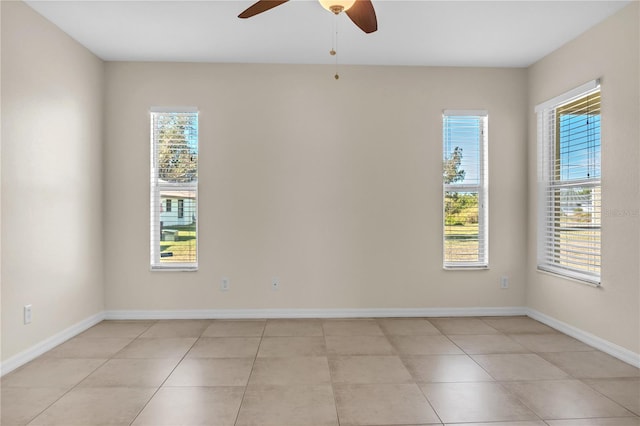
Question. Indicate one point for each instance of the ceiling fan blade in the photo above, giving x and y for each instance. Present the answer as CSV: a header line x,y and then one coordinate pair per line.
x,y
260,6
363,15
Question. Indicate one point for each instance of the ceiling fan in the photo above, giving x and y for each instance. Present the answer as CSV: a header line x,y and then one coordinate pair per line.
x,y
361,12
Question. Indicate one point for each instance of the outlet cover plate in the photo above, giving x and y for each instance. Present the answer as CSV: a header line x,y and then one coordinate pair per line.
x,y
224,284
504,282
27,314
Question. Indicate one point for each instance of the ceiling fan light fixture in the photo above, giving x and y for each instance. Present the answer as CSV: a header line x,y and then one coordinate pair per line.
x,y
337,6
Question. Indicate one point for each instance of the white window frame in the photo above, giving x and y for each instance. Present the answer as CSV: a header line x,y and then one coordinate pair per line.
x,y
156,187
482,188
549,182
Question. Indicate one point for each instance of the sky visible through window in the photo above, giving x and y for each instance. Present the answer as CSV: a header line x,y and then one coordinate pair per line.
x,y
465,132
579,146
191,136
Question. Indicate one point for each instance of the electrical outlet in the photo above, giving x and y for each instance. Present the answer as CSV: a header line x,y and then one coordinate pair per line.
x,y
275,284
27,314
224,284
504,282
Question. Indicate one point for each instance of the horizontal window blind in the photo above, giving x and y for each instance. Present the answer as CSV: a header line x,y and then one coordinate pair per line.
x,y
174,189
465,195
570,191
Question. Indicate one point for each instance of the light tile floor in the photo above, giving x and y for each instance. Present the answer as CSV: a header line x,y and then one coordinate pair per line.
x,y
510,371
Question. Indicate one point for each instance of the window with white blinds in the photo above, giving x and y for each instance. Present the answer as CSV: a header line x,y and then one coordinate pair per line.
x,y
570,193
174,189
465,194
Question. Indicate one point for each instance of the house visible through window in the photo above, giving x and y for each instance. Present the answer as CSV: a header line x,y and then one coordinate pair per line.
x,y
174,176
465,224
570,195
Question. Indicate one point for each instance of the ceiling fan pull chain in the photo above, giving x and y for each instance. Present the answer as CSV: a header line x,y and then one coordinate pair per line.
x,y
334,52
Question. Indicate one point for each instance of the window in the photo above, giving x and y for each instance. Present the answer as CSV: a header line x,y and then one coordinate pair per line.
x,y
570,193
465,194
174,175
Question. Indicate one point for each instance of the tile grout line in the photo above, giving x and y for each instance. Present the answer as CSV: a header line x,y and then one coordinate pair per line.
x,y
524,404
402,360
246,386
168,375
495,380
85,377
607,397
68,390
569,377
333,390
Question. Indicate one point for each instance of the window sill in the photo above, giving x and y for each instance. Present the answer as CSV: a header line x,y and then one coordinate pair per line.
x,y
585,281
465,268
174,269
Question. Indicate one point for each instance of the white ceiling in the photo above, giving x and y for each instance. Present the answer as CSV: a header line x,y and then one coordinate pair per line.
x,y
427,32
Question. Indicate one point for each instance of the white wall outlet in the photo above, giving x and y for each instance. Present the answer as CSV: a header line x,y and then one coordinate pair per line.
x,y
504,282
275,284
224,284
27,314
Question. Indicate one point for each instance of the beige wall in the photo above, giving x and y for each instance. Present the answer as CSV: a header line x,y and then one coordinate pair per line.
x,y
52,99
608,51
332,186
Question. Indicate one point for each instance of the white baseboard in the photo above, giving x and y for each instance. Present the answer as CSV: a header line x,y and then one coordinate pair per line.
x,y
605,346
49,343
314,313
